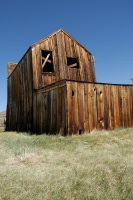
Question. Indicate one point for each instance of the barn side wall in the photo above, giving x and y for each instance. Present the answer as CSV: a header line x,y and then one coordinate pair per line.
x,y
20,96
62,46
70,107
50,109
98,106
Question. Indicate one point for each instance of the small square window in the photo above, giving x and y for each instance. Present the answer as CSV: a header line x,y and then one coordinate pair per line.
x,y
72,62
47,61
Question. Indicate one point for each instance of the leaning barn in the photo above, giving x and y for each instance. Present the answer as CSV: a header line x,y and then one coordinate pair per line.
x,y
53,89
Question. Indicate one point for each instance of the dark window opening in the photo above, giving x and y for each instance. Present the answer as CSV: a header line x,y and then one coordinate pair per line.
x,y
72,62
80,131
47,61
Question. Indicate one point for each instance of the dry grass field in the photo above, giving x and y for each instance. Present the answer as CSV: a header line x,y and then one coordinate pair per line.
x,y
2,115
91,166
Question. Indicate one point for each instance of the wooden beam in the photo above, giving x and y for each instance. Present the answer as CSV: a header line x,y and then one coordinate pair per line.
x,y
45,60
72,65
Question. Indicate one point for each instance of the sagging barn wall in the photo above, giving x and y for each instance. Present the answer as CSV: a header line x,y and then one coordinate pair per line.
x,y
50,109
66,59
20,95
71,107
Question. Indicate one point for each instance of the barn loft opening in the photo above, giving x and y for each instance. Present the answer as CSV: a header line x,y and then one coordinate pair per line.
x,y
72,62
47,61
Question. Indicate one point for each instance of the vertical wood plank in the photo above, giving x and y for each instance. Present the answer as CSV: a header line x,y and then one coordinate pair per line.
x,y
69,104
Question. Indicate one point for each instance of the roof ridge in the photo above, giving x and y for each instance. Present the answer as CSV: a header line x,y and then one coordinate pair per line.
x,y
48,36
60,30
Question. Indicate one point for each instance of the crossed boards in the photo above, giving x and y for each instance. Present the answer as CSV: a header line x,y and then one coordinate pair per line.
x,y
47,62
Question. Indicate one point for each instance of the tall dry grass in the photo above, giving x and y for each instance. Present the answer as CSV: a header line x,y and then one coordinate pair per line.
x,y
90,166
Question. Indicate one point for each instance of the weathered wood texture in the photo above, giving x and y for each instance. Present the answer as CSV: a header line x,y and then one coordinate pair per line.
x,y
11,67
98,106
71,107
20,96
66,99
50,109
62,46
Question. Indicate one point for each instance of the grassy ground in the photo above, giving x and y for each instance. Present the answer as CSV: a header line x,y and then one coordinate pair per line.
x,y
2,116
90,166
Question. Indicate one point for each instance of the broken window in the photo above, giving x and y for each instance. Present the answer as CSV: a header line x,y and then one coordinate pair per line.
x,y
47,61
72,62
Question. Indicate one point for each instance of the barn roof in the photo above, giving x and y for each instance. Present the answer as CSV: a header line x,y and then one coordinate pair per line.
x,y
54,33
60,30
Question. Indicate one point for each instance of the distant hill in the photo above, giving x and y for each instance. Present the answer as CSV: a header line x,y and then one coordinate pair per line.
x,y
2,115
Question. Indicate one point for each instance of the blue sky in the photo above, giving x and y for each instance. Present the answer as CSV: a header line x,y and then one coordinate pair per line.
x,y
104,27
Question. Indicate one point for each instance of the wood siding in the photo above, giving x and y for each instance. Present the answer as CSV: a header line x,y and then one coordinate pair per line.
x,y
11,67
50,109
98,106
67,100
62,46
70,107
20,96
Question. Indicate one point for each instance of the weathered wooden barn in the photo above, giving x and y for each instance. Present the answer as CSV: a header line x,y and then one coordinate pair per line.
x,y
53,90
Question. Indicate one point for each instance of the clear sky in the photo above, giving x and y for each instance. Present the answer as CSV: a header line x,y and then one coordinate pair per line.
x,y
104,27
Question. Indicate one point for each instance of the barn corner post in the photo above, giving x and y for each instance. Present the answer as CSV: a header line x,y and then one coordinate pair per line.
x,y
10,69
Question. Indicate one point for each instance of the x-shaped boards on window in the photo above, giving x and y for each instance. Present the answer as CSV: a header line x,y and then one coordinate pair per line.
x,y
71,62
46,60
